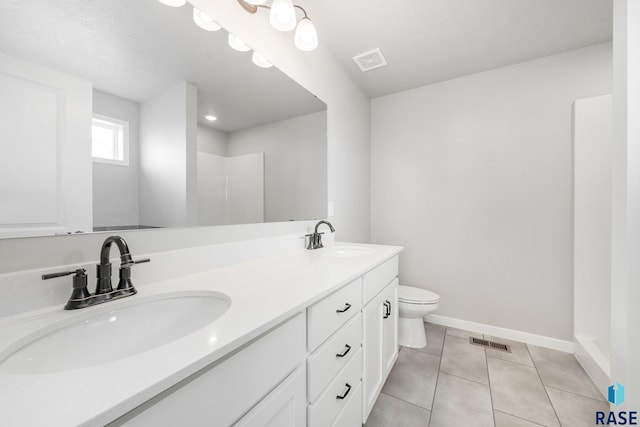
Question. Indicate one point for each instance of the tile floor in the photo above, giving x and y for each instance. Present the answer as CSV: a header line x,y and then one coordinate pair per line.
x,y
451,383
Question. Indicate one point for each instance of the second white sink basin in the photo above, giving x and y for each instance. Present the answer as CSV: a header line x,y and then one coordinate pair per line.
x,y
344,251
95,338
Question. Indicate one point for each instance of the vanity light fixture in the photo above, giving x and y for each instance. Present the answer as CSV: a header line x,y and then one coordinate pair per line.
x,y
237,44
260,60
282,16
204,21
174,3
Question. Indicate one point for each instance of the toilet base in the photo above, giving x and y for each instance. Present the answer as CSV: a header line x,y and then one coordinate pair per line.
x,y
411,332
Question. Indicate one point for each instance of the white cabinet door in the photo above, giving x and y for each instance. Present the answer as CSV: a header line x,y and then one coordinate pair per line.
x,y
285,406
372,379
45,151
380,343
390,328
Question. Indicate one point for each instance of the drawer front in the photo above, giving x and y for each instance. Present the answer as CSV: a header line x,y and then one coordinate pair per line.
x,y
376,279
338,394
333,355
326,316
351,415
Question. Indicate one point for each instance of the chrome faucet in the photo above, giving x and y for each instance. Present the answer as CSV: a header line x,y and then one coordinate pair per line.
x,y
81,298
315,239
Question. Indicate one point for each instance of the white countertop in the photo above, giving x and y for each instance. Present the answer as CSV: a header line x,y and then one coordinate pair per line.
x,y
263,293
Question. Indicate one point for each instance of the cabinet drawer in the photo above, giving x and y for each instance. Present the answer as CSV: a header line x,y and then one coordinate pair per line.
x,y
325,410
327,360
351,415
326,316
376,279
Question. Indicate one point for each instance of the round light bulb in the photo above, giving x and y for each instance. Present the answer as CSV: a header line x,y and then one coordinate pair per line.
x,y
283,15
204,21
174,3
306,37
260,60
237,44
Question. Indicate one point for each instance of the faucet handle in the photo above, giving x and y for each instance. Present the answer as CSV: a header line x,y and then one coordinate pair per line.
x,y
310,240
80,271
125,286
80,293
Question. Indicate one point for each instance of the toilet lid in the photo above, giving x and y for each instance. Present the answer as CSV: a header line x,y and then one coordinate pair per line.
x,y
413,295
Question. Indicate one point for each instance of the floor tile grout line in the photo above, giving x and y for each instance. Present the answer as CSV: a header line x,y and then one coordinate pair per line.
x,y
520,418
512,361
402,400
543,385
463,378
486,364
435,389
575,394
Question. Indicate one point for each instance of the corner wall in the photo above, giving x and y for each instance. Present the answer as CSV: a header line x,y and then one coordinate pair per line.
x,y
473,176
625,268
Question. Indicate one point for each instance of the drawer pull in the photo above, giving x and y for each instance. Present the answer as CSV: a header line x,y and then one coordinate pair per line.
x,y
345,393
346,307
346,351
387,311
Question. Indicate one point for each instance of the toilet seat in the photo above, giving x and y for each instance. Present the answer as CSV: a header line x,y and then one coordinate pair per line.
x,y
412,295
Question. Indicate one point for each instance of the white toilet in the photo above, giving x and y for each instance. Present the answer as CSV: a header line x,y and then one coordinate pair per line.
x,y
414,304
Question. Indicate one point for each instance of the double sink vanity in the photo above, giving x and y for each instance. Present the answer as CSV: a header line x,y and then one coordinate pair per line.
x,y
303,338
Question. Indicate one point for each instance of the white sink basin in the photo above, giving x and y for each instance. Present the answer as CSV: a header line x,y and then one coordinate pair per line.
x,y
346,251
92,338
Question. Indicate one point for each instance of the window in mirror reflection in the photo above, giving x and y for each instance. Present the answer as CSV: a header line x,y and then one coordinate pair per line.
x,y
109,140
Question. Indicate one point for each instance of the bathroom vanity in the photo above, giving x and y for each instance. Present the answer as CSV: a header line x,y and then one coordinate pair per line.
x,y
305,338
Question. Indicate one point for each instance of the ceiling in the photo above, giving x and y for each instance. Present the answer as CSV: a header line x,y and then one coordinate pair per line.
x,y
429,41
136,49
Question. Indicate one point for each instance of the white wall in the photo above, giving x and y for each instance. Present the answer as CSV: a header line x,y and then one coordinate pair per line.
x,y
348,160
115,187
625,266
211,140
295,189
168,158
474,177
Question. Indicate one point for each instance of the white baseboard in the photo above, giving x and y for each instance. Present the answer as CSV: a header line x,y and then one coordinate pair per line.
x,y
594,361
495,331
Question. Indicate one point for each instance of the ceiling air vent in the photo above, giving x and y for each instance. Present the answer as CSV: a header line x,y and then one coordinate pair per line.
x,y
370,60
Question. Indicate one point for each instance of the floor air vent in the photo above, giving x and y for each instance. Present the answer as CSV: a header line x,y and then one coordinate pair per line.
x,y
490,344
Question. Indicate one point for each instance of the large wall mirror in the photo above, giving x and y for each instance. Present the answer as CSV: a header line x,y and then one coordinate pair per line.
x,y
107,122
